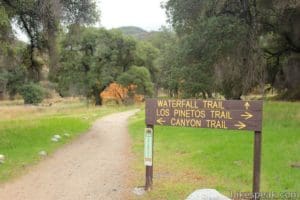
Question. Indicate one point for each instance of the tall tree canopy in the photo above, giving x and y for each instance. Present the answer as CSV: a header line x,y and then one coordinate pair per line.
x,y
12,71
41,20
228,45
92,58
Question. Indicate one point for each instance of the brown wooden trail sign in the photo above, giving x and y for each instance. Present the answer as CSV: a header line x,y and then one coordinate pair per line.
x,y
236,115
217,114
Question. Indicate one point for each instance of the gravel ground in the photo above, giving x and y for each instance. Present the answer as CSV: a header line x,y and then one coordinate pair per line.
x,y
93,167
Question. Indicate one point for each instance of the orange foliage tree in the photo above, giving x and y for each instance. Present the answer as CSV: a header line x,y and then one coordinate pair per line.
x,y
119,94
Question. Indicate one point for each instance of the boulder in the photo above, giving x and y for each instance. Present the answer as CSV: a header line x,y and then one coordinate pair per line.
x,y
2,159
54,139
57,137
206,194
139,191
43,153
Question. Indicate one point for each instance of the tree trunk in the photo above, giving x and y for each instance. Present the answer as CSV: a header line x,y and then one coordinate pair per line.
x,y
246,12
98,99
1,95
204,95
11,96
33,72
53,53
209,94
156,88
176,92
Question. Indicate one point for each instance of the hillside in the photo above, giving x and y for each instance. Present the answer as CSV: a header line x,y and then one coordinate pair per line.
x,y
135,32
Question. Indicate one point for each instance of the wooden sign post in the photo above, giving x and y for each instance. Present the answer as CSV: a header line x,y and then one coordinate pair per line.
x,y
216,114
148,155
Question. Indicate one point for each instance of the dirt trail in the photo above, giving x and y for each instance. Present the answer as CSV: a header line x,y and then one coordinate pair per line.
x,y
93,167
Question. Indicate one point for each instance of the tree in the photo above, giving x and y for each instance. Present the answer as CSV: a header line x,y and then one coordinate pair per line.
x,y
281,45
32,93
93,59
224,39
160,39
170,67
5,31
12,71
139,77
167,62
145,56
41,20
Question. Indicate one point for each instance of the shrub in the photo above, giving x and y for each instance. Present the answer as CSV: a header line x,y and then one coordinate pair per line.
x,y
32,93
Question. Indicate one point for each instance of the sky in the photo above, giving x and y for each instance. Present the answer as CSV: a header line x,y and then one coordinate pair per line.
x,y
146,14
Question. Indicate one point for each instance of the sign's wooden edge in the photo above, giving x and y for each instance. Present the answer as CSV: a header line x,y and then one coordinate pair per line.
x,y
257,105
252,125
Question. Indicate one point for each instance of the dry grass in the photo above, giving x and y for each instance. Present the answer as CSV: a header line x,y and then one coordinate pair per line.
x,y
10,110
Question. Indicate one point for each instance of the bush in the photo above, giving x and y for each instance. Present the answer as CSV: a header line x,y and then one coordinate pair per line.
x,y
32,93
139,77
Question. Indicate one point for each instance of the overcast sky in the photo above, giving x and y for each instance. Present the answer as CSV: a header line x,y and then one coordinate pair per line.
x,y
146,14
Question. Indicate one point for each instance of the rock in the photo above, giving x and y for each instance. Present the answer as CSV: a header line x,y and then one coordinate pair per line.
x,y
2,159
139,191
57,137
295,165
206,194
43,153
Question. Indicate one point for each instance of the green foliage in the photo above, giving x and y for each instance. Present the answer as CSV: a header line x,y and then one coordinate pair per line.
x,y
5,33
227,47
15,79
92,58
182,13
12,71
138,76
32,93
4,19
231,47
170,64
280,45
161,38
80,12
145,55
41,20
